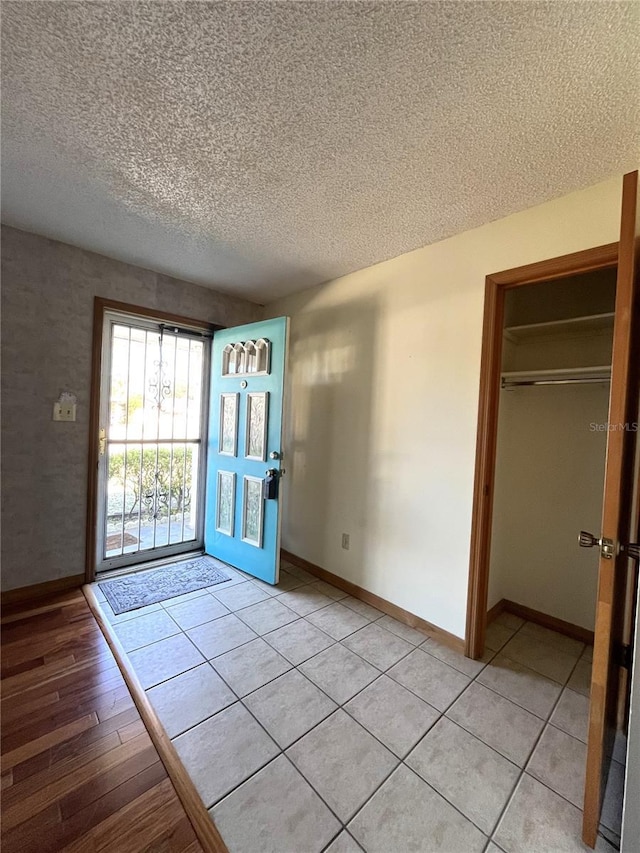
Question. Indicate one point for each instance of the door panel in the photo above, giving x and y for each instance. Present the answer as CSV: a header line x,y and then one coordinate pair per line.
x,y
242,525
617,516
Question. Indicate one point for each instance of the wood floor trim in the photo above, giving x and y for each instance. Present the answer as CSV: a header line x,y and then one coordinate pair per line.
x,y
399,613
203,825
576,632
496,610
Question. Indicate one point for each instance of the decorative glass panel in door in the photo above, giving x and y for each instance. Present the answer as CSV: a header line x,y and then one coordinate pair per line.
x,y
242,516
153,402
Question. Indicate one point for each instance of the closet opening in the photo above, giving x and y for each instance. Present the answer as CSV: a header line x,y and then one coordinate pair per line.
x,y
547,355
543,439
551,444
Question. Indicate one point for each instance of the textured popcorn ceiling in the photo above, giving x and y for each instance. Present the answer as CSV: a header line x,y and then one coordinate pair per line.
x,y
265,146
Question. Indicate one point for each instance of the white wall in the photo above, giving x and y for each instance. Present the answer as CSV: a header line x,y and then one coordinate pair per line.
x,y
383,386
549,481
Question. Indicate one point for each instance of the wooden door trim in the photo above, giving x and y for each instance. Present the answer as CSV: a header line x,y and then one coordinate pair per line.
x,y
496,286
616,516
100,307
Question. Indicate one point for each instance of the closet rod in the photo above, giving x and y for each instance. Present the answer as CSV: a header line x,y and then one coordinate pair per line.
x,y
518,383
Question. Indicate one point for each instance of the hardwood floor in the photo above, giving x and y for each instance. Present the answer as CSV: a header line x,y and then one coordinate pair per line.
x,y
79,770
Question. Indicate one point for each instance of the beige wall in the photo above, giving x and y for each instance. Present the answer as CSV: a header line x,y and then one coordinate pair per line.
x,y
550,475
549,481
383,389
47,314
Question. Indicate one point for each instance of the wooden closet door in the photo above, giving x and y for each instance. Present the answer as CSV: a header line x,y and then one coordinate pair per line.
x,y
617,513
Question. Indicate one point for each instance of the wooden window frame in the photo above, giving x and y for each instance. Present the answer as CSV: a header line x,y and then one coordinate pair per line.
x,y
100,307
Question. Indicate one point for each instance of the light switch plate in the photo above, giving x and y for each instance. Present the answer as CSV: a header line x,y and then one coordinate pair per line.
x,y
64,411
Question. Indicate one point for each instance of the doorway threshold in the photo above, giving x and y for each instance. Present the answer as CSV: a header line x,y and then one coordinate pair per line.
x,y
149,564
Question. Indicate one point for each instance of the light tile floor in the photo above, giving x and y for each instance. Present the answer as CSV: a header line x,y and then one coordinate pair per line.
x,y
310,721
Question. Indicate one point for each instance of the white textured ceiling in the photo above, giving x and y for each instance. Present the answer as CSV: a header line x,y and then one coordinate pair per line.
x,y
261,147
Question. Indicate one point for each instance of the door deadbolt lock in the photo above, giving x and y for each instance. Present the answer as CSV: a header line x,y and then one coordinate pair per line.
x,y
607,547
274,455
270,485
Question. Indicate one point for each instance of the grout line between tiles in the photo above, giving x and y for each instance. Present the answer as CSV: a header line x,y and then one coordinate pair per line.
x,y
341,706
523,769
399,761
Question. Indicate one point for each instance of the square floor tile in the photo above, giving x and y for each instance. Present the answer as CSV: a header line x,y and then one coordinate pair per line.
x,y
501,724
522,685
128,614
458,661
337,621
344,843
366,610
289,707
587,654
393,714
135,633
297,572
196,611
468,773
287,581
509,620
545,659
189,698
339,672
378,646
234,576
221,635
250,666
559,761
611,816
406,814
299,641
571,714
240,595
537,820
267,616
497,634
429,678
405,632
552,638
305,600
343,762
223,751
580,680
164,659
329,590
271,589
273,812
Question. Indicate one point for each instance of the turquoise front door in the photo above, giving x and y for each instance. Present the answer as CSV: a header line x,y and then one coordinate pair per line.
x,y
244,459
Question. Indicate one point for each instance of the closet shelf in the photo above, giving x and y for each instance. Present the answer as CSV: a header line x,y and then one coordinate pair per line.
x,y
593,323
562,376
